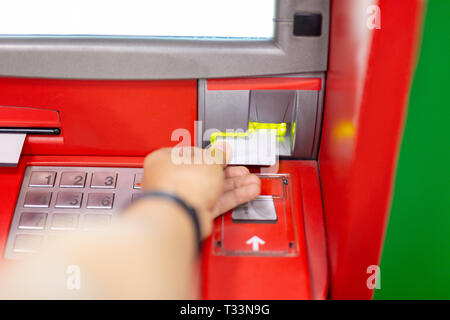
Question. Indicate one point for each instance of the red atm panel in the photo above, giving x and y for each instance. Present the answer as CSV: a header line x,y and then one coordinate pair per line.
x,y
120,118
302,275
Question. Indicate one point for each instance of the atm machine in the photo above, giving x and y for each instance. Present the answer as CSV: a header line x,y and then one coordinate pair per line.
x,y
79,114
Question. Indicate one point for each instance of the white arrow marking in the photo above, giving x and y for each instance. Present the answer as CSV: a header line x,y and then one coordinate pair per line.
x,y
255,241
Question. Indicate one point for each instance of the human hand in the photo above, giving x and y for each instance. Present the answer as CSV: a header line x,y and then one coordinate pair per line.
x,y
201,181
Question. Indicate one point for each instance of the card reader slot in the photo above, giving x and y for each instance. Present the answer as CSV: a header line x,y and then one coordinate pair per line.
x,y
44,131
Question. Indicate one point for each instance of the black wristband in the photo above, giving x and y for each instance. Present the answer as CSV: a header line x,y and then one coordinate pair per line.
x,y
188,209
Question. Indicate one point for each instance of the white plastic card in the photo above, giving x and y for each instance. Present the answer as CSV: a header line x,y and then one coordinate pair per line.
x,y
258,148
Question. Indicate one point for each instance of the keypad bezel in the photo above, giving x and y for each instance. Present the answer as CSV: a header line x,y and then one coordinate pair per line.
x,y
123,191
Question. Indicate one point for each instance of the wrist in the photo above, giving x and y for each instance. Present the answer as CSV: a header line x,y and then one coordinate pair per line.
x,y
194,215
191,199
163,219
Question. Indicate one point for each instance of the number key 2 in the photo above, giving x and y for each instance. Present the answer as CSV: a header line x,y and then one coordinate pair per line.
x,y
73,180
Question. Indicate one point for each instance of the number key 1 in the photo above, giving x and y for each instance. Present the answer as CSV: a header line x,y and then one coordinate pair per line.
x,y
42,179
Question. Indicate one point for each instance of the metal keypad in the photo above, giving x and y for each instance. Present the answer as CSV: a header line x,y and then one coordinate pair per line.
x,y
56,200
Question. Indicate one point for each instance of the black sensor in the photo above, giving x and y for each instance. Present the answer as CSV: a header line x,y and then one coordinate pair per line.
x,y
307,24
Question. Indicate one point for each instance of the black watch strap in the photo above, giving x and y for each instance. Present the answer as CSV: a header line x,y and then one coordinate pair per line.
x,y
187,208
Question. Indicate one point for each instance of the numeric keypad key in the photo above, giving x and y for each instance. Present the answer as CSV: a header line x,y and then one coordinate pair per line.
x,y
37,199
42,179
73,180
104,180
100,201
69,200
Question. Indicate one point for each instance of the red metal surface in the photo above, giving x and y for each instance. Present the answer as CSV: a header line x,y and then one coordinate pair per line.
x,y
120,118
300,277
367,88
28,117
314,84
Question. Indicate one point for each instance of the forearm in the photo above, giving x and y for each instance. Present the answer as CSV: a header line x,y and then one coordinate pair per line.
x,y
166,233
148,255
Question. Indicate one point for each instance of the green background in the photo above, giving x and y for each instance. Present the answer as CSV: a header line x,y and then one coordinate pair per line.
x,y
416,255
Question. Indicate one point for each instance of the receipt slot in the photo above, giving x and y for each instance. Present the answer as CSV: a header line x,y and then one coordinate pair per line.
x,y
263,227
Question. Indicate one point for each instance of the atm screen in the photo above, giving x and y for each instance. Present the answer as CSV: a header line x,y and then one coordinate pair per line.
x,y
168,18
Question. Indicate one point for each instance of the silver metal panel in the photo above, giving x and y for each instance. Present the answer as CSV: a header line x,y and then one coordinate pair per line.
x,y
305,126
319,119
227,110
46,222
272,106
159,58
302,108
262,209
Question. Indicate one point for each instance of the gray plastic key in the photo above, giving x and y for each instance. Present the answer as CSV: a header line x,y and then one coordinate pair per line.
x,y
100,200
64,221
104,180
73,179
69,199
43,179
27,243
37,199
32,220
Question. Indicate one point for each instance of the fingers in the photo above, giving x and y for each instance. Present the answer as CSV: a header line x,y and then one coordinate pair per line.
x,y
231,172
236,197
240,181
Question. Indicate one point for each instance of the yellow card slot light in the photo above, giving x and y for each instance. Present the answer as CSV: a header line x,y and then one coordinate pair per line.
x,y
280,127
252,127
227,134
